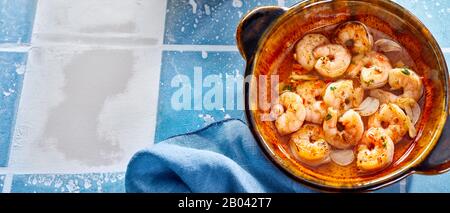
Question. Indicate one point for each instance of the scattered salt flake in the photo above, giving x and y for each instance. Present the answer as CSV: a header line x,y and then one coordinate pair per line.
x,y
237,3
58,183
87,184
113,179
204,54
72,187
207,10
208,119
20,69
194,6
34,181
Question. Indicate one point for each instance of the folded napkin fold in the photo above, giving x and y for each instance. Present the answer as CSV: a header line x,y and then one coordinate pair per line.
x,y
222,157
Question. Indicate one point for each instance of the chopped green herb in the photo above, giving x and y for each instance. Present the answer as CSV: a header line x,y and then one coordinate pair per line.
x,y
384,144
287,87
332,88
405,71
328,117
371,81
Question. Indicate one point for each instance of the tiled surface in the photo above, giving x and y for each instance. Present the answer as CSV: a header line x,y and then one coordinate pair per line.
x,y
206,22
395,188
115,23
16,20
177,71
84,183
12,68
76,115
99,76
434,14
423,183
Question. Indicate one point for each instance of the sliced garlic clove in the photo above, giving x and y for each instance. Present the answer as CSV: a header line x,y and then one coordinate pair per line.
x,y
342,157
387,45
368,107
416,111
411,108
412,130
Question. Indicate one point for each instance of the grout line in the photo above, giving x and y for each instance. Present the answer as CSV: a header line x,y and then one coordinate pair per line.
x,y
80,35
155,107
17,48
164,47
163,31
76,46
211,48
9,170
403,186
7,183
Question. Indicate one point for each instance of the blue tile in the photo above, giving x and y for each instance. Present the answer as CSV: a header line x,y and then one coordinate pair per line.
x,y
289,3
395,188
173,121
424,183
85,183
16,20
12,68
434,14
2,181
206,21
447,58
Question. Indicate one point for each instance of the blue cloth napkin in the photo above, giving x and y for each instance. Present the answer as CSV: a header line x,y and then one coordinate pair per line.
x,y
222,157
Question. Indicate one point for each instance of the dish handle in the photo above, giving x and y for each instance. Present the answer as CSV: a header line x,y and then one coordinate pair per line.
x,y
253,26
438,161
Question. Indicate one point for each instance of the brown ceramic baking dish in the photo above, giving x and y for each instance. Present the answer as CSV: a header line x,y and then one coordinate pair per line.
x,y
266,34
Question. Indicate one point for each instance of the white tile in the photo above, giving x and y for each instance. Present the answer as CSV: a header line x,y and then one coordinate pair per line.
x,y
85,109
97,20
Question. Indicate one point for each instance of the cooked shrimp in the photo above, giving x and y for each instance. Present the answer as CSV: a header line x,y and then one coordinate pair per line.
x,y
355,36
409,105
333,60
373,69
316,112
342,95
375,152
309,146
304,50
392,119
408,80
345,131
292,115
276,111
311,92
